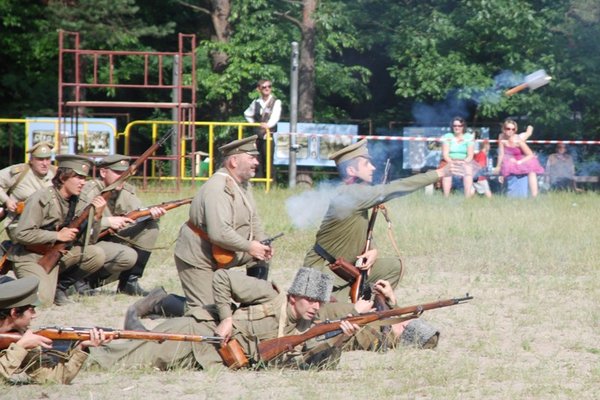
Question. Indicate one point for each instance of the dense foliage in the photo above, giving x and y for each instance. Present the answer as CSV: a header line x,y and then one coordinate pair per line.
x,y
360,59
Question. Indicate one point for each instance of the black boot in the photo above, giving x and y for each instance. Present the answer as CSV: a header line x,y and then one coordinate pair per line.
x,y
128,280
259,270
98,278
142,308
65,281
131,287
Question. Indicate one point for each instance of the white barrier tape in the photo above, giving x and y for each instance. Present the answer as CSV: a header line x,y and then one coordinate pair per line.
x,y
438,139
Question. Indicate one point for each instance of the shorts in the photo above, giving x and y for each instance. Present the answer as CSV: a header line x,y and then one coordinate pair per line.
x,y
481,187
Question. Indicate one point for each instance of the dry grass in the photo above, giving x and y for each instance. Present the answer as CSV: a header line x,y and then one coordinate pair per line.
x,y
531,331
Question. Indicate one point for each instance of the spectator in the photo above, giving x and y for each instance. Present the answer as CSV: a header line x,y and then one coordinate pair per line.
x,y
265,110
482,186
516,160
457,148
560,169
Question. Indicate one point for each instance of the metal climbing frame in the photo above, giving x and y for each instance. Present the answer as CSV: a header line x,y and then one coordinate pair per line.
x,y
83,70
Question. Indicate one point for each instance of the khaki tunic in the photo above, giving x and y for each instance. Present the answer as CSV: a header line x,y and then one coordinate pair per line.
x,y
28,185
226,211
263,311
343,231
119,254
18,365
47,208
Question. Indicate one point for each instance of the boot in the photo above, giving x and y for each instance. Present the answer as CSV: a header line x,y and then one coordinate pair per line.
x,y
83,288
128,280
131,287
65,281
98,278
169,307
259,271
61,298
142,308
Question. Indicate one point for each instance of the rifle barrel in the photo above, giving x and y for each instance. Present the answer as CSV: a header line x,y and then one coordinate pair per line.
x,y
271,348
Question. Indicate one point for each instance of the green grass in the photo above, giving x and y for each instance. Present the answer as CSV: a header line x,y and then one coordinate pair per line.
x,y
531,331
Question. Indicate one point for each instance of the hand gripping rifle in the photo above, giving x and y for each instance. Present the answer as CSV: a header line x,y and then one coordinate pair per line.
x,y
142,214
72,334
54,253
271,348
365,291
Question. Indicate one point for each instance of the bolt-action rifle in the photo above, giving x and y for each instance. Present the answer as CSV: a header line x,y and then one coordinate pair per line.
x,y
55,252
75,334
271,348
364,290
142,214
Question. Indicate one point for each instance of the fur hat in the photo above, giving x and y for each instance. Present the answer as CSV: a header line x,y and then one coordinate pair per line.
x,y
312,283
421,334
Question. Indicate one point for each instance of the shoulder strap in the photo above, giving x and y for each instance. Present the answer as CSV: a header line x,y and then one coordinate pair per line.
x,y
244,200
19,179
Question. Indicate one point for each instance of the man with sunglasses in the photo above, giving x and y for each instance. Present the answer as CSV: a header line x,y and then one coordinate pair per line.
x,y
266,110
30,359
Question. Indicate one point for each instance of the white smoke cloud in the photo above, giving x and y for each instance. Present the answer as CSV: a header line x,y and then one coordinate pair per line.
x,y
307,209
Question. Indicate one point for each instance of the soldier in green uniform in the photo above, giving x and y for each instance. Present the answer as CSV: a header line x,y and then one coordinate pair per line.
x,y
343,231
45,221
28,359
128,251
264,313
20,181
223,222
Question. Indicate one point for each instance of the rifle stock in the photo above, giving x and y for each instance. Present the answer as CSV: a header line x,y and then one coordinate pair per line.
x,y
271,348
53,255
78,333
145,212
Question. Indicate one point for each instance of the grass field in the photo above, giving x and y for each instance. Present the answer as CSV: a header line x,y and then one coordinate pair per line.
x,y
530,333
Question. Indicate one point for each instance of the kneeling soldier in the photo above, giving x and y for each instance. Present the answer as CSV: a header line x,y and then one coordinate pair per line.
x,y
44,222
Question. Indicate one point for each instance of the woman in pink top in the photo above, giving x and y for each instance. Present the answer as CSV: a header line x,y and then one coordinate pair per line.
x,y
516,158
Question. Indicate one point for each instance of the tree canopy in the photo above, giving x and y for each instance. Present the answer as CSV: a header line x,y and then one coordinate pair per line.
x,y
360,59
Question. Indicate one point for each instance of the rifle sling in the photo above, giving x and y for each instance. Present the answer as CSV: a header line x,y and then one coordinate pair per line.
x,y
324,253
197,230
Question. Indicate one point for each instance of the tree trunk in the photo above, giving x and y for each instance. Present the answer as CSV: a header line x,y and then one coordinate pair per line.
x,y
220,19
306,72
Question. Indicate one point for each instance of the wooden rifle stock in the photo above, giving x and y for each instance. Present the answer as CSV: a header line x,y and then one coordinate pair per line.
x,y
145,212
271,348
349,273
18,211
52,256
78,333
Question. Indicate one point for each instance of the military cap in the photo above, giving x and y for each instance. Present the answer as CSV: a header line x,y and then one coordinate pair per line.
x,y
312,283
116,162
358,149
41,150
246,145
81,165
19,292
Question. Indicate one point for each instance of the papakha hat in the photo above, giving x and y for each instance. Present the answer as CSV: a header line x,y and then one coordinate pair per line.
x,y
41,150
81,165
116,162
246,145
19,292
358,149
312,283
